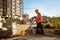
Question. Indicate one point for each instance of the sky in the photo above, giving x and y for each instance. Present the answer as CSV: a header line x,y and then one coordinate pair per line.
x,y
46,7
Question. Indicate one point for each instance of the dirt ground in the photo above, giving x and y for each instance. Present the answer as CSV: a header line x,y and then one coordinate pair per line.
x,y
35,37
32,37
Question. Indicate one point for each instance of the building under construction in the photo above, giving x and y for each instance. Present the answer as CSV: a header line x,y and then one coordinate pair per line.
x,y
3,7
11,8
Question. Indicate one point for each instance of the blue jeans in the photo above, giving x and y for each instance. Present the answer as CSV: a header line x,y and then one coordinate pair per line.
x,y
39,29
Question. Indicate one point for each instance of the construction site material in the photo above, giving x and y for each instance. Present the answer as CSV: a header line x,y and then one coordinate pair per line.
x,y
14,29
49,32
21,29
6,33
57,32
23,33
18,30
0,25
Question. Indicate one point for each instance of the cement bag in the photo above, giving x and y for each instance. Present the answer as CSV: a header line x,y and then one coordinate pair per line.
x,y
14,29
0,25
19,29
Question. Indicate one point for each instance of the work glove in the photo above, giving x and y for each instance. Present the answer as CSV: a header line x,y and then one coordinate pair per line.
x,y
35,18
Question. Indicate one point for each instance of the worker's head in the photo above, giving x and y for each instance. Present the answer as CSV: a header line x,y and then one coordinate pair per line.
x,y
36,10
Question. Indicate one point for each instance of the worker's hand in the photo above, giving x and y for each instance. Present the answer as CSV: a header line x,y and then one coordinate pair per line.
x,y
35,17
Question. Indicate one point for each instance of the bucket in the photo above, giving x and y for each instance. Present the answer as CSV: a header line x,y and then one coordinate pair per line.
x,y
23,33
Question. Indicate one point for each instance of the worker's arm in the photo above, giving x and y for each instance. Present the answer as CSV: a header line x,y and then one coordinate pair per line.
x,y
38,16
35,18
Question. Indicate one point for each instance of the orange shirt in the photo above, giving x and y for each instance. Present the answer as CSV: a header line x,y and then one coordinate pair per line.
x,y
39,19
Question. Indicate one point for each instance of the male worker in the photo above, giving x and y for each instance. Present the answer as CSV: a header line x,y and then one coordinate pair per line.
x,y
39,21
